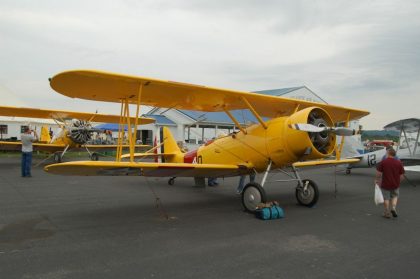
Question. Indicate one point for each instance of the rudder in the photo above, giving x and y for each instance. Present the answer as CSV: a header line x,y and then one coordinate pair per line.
x,y
170,146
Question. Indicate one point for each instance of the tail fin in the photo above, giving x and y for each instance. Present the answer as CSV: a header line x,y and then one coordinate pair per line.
x,y
45,135
170,147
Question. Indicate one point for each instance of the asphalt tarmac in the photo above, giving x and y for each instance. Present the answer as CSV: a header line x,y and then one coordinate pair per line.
x,y
110,227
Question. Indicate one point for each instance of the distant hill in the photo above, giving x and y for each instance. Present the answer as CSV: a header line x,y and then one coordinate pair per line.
x,y
380,134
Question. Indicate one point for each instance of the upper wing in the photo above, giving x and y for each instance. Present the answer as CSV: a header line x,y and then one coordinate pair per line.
x,y
146,169
109,87
61,114
409,125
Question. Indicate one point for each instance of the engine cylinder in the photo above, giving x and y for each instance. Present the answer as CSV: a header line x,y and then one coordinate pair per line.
x,y
80,132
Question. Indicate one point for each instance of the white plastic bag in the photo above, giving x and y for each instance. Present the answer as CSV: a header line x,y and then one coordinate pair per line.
x,y
379,198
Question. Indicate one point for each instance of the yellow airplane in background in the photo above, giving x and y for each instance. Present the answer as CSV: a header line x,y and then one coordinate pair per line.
x,y
297,134
76,131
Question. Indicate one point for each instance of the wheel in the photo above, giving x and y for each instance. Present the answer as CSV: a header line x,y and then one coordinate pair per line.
x,y
94,157
57,157
348,171
309,196
252,195
171,181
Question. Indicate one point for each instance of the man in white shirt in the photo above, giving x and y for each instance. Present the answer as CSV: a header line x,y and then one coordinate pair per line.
x,y
27,139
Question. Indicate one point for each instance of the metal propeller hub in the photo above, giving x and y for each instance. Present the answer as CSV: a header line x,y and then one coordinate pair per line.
x,y
319,140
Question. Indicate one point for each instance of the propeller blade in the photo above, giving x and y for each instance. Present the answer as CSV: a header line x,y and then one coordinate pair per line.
x,y
307,128
340,131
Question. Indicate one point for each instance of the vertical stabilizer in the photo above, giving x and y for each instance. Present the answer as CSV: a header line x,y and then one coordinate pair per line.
x,y
170,147
45,135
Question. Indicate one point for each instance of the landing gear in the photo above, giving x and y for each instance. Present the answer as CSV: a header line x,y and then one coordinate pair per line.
x,y
348,171
58,156
171,181
307,193
252,195
94,156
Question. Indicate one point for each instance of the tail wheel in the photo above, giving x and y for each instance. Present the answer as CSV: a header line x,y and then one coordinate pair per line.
x,y
252,195
308,194
348,171
94,157
171,181
57,157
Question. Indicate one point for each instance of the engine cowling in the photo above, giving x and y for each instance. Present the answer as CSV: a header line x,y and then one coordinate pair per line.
x,y
314,145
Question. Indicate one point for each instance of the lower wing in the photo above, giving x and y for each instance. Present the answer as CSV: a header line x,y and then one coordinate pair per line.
x,y
112,147
411,164
17,146
324,162
412,168
90,168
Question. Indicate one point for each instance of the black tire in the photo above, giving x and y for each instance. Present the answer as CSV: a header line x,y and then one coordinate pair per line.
x,y
311,196
57,157
94,157
348,171
171,181
252,195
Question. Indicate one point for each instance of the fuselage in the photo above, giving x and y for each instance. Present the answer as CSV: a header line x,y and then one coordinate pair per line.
x,y
277,142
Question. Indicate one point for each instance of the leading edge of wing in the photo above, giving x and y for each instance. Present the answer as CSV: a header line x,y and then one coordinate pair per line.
x,y
325,162
112,87
90,168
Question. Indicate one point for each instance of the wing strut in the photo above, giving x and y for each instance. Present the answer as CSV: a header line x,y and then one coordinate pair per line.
x,y
131,126
254,112
338,152
416,144
120,132
235,121
406,139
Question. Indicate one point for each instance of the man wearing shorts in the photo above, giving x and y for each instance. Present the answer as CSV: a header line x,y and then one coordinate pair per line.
x,y
392,172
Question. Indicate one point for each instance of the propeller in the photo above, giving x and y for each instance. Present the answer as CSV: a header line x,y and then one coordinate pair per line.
x,y
339,131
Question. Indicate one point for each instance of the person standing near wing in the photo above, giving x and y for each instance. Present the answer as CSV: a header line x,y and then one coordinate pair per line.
x,y
27,139
392,172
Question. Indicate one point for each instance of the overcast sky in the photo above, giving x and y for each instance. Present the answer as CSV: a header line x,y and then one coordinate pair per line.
x,y
362,54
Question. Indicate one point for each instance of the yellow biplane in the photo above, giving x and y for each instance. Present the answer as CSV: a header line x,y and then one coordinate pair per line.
x,y
297,134
75,131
